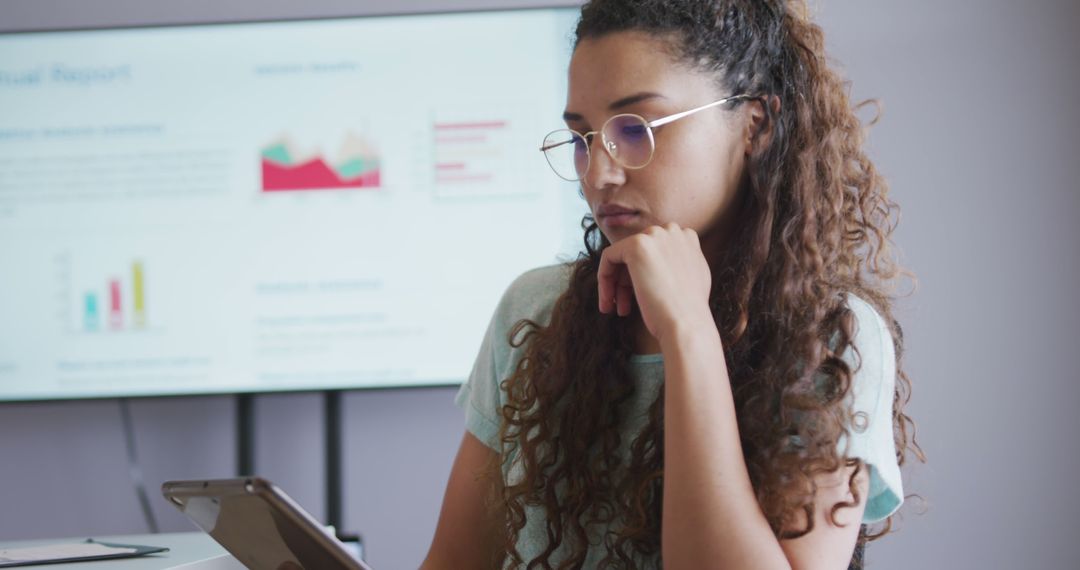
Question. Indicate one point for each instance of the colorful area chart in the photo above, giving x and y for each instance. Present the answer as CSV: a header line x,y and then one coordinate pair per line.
x,y
284,168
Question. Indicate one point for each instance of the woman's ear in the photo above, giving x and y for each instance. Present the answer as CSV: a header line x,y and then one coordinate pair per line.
x,y
759,126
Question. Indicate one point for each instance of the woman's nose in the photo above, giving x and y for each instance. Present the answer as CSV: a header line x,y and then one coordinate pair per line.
x,y
603,170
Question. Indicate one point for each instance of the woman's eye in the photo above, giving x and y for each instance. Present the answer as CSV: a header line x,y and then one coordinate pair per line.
x,y
633,131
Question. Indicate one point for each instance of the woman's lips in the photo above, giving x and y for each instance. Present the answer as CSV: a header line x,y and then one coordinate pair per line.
x,y
618,220
612,215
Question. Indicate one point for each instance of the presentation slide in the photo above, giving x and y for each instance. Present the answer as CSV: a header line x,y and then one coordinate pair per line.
x,y
273,206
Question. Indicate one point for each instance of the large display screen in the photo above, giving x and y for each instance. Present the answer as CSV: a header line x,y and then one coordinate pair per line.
x,y
276,206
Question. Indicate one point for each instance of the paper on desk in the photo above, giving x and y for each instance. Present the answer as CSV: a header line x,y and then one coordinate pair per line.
x,y
60,552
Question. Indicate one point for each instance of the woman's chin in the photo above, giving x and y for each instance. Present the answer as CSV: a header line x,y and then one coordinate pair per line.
x,y
617,235
616,228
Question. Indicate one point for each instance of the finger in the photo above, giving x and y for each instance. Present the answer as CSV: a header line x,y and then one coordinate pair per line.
x,y
607,276
624,294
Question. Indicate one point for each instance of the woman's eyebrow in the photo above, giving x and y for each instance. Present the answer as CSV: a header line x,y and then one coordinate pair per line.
x,y
624,102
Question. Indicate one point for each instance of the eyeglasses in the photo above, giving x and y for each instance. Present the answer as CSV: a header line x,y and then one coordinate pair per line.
x,y
627,138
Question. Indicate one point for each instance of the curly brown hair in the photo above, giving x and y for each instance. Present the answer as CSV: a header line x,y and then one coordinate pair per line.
x,y
816,224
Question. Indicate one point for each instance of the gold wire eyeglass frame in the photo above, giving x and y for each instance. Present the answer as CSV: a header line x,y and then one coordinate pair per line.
x,y
610,146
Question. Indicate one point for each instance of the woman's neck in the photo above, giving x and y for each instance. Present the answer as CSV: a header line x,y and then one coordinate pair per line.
x,y
644,341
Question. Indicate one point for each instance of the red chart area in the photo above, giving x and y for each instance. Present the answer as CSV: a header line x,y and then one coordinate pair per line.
x,y
311,175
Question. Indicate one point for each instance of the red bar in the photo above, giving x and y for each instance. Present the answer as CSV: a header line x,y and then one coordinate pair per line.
x,y
461,139
477,125
116,316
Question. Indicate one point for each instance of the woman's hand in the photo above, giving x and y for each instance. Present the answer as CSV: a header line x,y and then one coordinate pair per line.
x,y
664,269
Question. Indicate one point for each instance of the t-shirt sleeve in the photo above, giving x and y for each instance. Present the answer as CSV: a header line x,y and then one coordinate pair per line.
x,y
871,397
479,396
531,296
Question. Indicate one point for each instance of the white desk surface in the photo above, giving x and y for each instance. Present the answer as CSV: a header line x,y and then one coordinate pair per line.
x,y
184,547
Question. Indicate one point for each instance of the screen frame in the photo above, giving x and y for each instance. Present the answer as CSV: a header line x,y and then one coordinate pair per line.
x,y
420,12
244,21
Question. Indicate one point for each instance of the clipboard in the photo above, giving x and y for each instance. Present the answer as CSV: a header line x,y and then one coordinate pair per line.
x,y
69,552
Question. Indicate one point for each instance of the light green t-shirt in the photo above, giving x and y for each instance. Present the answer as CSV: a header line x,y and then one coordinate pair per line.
x,y
532,296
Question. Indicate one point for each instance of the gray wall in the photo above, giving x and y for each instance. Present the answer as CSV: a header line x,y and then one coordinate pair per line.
x,y
978,140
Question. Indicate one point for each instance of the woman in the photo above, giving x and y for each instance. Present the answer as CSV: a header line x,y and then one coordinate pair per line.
x,y
713,383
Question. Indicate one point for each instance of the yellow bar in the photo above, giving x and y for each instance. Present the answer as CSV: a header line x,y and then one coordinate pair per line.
x,y
140,298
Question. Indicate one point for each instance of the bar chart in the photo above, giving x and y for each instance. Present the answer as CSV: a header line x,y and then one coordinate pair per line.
x,y
108,302
474,154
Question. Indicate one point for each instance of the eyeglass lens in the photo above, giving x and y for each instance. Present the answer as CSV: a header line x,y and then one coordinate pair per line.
x,y
627,138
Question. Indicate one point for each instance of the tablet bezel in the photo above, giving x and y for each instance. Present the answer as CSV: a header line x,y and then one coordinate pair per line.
x,y
288,512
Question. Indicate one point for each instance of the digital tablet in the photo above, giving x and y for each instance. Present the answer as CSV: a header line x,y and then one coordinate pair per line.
x,y
260,525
